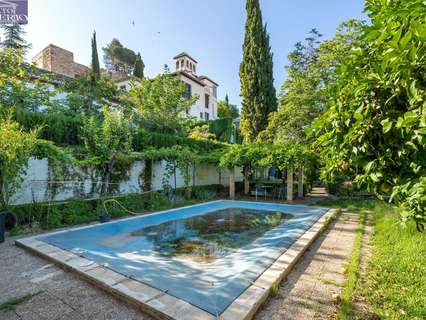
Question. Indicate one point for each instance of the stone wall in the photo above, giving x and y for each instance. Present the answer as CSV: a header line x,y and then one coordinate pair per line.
x,y
59,61
36,182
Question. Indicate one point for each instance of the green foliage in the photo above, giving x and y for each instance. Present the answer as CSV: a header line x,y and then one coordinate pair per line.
x,y
57,127
15,76
105,141
249,155
96,69
394,285
14,37
138,67
227,110
352,271
119,58
283,156
16,147
310,74
11,304
391,284
256,75
375,127
222,129
84,95
159,103
78,211
201,132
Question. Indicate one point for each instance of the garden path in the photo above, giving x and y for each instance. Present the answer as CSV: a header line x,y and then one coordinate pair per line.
x,y
312,288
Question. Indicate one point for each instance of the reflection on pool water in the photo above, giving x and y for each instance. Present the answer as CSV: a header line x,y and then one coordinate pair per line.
x,y
213,235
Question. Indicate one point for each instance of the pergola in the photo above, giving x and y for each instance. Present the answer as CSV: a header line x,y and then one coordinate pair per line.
x,y
286,157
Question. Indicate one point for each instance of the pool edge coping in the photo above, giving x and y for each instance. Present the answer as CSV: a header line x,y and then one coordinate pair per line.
x,y
162,305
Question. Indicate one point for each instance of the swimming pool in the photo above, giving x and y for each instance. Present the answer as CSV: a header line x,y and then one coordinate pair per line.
x,y
206,254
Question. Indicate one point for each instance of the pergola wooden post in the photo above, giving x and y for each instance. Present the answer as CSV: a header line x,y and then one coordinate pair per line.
x,y
232,183
300,183
290,184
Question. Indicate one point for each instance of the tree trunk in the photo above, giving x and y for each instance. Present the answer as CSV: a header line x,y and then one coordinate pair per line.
x,y
300,183
246,180
232,183
290,185
147,181
107,176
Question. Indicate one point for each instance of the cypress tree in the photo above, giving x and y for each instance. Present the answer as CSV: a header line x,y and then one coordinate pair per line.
x,y
256,75
139,66
14,37
96,70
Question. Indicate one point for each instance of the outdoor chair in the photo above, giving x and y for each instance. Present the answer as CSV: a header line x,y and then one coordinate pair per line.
x,y
259,190
281,192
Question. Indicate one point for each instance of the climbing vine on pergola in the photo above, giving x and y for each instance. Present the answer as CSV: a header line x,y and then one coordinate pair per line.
x,y
287,157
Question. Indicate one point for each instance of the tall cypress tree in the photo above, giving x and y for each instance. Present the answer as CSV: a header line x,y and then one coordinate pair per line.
x,y
96,70
14,37
256,75
139,66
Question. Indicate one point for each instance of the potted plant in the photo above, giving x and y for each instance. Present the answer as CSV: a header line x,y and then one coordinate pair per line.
x,y
16,147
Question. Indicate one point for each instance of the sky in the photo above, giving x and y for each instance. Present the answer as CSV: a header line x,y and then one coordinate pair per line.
x,y
211,31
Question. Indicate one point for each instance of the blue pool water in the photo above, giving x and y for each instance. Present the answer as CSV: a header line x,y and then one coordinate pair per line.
x,y
206,254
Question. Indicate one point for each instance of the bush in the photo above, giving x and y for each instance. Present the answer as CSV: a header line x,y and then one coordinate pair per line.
x,y
67,213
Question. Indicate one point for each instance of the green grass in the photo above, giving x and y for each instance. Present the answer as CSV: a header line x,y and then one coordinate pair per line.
x,y
394,284
11,304
352,271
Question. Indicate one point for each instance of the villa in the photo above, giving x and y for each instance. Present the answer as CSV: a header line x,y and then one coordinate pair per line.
x,y
206,106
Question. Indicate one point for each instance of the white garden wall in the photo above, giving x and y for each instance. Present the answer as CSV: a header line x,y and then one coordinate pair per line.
x,y
35,185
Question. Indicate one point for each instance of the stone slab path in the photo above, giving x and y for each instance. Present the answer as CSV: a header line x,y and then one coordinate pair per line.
x,y
308,291
60,295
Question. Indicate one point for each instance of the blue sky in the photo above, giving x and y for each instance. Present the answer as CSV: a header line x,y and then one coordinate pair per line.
x,y
211,31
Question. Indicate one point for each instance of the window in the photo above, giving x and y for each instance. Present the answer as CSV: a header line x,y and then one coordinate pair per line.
x,y
193,68
187,64
188,93
215,92
207,116
207,101
177,65
201,115
181,63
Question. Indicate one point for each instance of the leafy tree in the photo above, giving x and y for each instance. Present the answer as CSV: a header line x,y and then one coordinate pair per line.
x,y
311,73
15,76
256,75
85,95
119,58
14,37
105,140
201,133
223,129
16,147
375,127
160,104
227,110
138,67
96,70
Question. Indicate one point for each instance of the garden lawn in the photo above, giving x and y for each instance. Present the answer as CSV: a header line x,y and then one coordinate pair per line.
x,y
394,284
